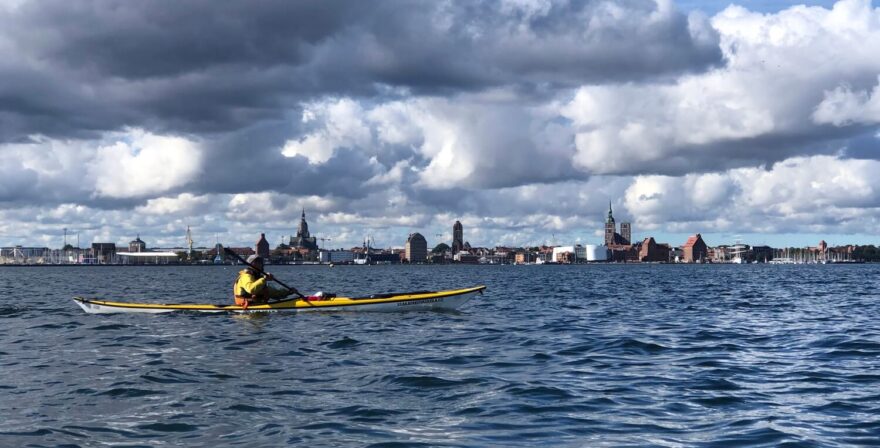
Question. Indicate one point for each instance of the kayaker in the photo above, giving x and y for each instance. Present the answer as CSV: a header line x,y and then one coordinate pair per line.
x,y
253,288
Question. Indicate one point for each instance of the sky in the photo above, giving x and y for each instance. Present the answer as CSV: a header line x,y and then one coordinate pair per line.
x,y
523,119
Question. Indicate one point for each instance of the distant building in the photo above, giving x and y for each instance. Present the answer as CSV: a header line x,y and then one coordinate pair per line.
x,y
569,254
386,257
416,248
137,245
262,247
596,253
336,256
103,252
466,258
610,227
626,232
623,253
145,257
762,254
612,238
695,250
822,248
303,239
651,251
457,237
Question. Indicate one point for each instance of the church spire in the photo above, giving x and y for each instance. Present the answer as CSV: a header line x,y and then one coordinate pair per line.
x,y
303,230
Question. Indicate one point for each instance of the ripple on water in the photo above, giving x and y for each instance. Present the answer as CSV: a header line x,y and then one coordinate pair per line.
x,y
248,408
12,311
540,392
429,382
345,342
168,427
130,392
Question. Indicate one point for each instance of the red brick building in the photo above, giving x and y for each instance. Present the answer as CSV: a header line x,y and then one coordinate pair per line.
x,y
695,250
651,251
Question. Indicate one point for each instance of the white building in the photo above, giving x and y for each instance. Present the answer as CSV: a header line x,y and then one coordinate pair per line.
x,y
147,257
596,253
578,251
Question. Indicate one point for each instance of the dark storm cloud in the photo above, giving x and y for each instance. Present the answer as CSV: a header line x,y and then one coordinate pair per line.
x,y
193,67
250,161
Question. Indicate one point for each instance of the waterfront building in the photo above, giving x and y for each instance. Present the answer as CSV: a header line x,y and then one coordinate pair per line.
x,y
466,258
416,248
144,257
623,253
386,257
336,256
569,254
695,250
103,253
651,251
457,238
596,253
303,239
137,245
262,248
762,254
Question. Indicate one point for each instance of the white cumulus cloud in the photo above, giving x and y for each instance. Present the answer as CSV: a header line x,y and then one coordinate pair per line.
x,y
140,163
779,69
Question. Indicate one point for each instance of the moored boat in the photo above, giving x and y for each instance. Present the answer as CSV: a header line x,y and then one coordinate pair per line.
x,y
406,301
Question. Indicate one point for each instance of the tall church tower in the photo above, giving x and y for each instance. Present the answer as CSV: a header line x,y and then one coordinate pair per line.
x,y
626,232
457,237
303,230
610,227
303,239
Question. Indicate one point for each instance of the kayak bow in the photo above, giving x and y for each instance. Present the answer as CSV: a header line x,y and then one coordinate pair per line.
x,y
408,301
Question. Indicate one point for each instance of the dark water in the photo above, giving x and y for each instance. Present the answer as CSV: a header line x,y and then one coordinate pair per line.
x,y
551,355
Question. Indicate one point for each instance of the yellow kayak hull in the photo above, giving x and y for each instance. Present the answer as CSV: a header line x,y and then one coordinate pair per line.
x,y
412,301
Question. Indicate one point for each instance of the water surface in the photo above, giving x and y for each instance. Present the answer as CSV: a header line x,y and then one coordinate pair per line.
x,y
649,355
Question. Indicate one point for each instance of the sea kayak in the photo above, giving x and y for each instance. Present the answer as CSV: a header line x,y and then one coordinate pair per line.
x,y
406,301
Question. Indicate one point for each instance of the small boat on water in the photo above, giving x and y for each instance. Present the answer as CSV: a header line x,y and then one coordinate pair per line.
x,y
405,301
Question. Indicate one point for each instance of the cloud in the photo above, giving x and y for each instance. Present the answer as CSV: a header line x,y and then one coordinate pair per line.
x,y
343,126
113,169
184,204
145,164
757,108
476,141
843,106
802,194
522,118
72,67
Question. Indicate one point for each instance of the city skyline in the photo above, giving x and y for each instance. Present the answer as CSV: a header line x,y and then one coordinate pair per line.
x,y
304,240
521,119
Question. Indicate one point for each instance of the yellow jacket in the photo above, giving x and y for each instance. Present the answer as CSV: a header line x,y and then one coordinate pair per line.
x,y
254,288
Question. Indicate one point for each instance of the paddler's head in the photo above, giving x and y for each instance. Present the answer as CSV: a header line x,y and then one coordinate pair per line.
x,y
256,261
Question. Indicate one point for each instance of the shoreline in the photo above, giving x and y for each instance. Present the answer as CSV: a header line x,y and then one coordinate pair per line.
x,y
11,265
